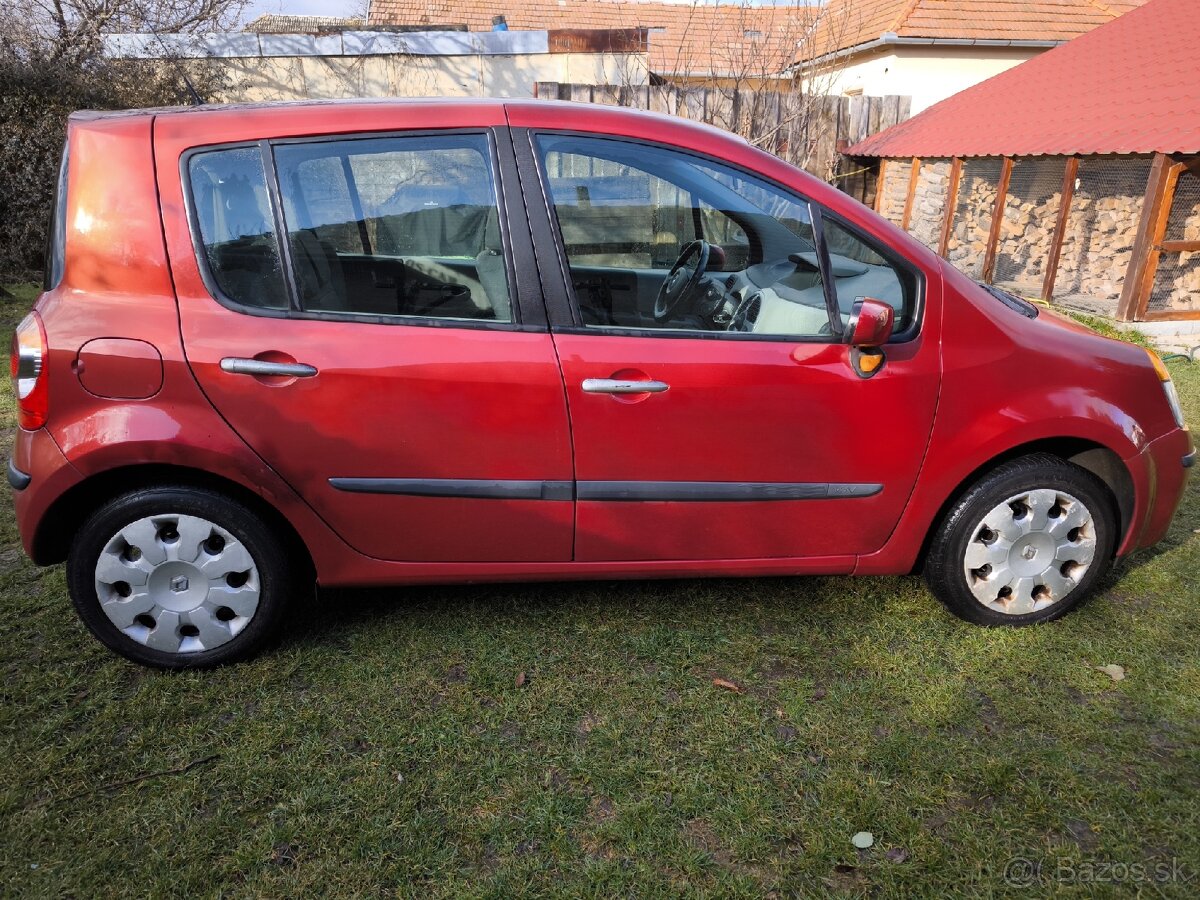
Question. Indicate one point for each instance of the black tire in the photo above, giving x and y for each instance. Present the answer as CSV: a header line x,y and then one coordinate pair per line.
x,y
275,580
944,566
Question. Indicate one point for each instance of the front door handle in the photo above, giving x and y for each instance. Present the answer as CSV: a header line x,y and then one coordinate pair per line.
x,y
260,367
622,386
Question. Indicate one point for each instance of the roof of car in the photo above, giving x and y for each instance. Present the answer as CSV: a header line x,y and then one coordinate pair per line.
x,y
202,109
325,106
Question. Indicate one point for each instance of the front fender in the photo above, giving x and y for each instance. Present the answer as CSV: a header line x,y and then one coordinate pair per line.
x,y
964,443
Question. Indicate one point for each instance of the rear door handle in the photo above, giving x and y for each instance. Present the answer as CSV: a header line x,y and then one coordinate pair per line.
x,y
239,366
622,386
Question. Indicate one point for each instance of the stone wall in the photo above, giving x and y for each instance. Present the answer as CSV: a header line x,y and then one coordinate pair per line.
x,y
973,214
929,202
894,190
1101,226
1031,208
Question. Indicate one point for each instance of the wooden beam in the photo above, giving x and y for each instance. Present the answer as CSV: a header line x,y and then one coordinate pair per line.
x,y
989,258
1143,264
1065,196
912,189
951,202
880,181
1180,246
1169,315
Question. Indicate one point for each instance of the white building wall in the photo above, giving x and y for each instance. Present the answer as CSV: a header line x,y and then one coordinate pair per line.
x,y
255,79
927,74
262,67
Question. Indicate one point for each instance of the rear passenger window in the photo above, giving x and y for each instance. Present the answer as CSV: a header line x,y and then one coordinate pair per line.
x,y
404,226
229,193
397,227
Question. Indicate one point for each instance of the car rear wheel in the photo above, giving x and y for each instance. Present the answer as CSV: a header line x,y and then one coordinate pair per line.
x,y
179,578
1027,543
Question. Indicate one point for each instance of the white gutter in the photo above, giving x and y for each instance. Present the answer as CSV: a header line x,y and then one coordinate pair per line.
x,y
891,39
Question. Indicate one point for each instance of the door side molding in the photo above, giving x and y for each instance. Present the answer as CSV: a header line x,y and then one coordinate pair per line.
x,y
634,491
721,491
472,488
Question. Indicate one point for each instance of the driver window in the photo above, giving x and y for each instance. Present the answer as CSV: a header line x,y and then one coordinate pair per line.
x,y
658,239
615,215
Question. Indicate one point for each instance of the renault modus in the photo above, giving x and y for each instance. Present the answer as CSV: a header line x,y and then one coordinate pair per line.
x,y
370,343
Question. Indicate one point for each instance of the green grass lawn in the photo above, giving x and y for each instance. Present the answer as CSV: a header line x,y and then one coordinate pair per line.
x,y
386,747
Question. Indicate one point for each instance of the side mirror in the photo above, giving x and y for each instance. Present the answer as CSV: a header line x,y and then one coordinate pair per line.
x,y
870,326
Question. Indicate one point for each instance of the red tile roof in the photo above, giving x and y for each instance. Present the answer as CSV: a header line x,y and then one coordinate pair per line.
x,y
1132,86
851,23
273,23
697,38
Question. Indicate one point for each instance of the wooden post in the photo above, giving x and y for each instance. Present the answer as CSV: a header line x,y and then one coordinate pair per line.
x,y
951,203
1143,264
1065,196
989,258
1157,245
880,181
912,189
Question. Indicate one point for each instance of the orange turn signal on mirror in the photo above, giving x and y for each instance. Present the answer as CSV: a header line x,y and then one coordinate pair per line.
x,y
869,362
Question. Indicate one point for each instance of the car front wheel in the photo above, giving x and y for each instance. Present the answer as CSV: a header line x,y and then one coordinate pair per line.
x,y
179,578
1027,543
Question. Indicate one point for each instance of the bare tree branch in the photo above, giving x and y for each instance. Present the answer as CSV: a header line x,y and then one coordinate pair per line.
x,y
742,57
73,30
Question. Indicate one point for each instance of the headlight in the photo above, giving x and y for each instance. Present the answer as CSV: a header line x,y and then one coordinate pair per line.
x,y
1168,388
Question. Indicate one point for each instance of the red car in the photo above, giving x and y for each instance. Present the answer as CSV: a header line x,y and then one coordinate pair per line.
x,y
404,342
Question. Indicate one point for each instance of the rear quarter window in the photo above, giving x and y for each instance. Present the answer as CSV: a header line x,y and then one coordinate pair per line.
x,y
237,226
56,234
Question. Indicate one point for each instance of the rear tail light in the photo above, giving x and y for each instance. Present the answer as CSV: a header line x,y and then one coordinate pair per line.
x,y
29,376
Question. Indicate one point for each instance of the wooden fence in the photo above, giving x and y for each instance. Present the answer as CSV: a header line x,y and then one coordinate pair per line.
x,y
808,131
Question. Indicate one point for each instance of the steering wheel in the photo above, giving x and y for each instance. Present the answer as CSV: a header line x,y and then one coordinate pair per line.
x,y
682,280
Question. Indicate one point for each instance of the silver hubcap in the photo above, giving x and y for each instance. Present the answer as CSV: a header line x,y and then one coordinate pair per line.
x,y
1030,552
177,583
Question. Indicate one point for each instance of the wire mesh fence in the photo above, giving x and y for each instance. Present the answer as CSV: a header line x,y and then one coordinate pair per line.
x,y
1102,225
1099,227
1176,286
1183,224
972,223
1030,214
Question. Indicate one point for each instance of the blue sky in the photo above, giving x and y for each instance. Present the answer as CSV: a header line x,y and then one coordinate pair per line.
x,y
302,7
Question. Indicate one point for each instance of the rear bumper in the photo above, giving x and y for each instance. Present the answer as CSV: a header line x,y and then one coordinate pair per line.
x,y
39,474
1165,465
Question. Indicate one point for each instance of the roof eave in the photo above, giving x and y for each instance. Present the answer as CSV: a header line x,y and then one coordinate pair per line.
x,y
889,39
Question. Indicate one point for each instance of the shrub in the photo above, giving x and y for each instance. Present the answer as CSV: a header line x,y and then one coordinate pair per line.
x,y
35,99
